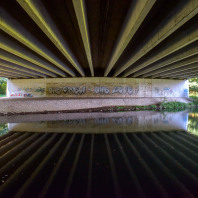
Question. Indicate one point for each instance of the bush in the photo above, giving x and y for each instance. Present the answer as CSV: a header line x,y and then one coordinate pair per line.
x,y
173,105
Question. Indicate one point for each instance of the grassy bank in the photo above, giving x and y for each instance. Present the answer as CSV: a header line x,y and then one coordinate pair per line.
x,y
169,106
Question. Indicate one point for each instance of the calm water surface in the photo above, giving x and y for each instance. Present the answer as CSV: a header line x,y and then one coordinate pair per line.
x,y
100,155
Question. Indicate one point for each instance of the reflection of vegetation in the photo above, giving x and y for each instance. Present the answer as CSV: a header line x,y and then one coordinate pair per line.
x,y
3,86
3,129
193,123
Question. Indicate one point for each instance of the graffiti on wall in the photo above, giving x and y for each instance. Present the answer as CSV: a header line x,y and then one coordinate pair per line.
x,y
67,90
16,95
27,92
28,95
96,90
126,90
164,92
36,90
185,92
145,88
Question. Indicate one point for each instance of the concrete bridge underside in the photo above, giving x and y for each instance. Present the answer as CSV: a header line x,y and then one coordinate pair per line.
x,y
100,38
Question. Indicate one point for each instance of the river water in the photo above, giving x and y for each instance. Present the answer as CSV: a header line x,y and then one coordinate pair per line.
x,y
100,155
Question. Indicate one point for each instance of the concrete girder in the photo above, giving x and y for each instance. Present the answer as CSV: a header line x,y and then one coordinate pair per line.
x,y
13,47
19,68
175,71
181,74
36,10
17,31
81,15
7,76
185,62
136,15
21,62
169,25
189,51
178,42
14,71
11,75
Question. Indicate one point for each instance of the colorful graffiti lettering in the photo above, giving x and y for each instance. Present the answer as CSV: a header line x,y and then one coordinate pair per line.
x,y
16,95
28,95
165,92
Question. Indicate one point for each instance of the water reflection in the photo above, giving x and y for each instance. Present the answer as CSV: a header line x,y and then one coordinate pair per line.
x,y
193,123
125,122
121,155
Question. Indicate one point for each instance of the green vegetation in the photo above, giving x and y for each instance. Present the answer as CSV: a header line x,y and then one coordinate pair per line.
x,y
193,87
173,105
3,87
192,123
3,129
193,90
164,106
120,107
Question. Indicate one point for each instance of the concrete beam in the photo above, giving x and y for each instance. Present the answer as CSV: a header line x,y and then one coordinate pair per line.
x,y
187,52
185,62
16,60
178,42
37,11
136,15
175,71
17,31
180,74
11,75
13,47
182,13
81,15
14,71
19,68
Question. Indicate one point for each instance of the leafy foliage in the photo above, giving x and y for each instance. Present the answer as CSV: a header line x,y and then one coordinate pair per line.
x,y
3,86
193,87
173,105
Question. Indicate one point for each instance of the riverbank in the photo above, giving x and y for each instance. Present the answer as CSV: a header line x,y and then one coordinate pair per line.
x,y
12,106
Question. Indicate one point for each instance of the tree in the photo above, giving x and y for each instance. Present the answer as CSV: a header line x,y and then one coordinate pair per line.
x,y
3,86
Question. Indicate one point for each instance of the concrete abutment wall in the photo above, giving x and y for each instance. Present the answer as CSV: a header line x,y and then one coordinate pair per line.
x,y
97,88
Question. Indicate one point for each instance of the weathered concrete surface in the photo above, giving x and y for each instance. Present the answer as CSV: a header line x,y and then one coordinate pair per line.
x,y
28,105
97,38
97,87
